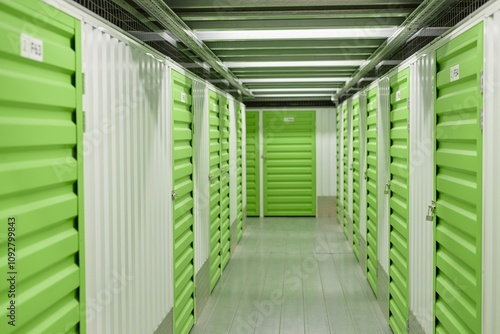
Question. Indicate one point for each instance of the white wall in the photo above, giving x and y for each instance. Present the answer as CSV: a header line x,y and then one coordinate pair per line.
x,y
201,171
421,189
128,230
491,177
233,163
326,160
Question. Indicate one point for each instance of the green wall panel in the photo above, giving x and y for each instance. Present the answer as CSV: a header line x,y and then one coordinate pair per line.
x,y
215,186
356,177
253,161
182,197
41,162
225,211
371,188
458,167
290,164
399,202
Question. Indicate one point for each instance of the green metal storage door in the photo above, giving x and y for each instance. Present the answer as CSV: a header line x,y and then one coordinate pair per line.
x,y
239,168
290,164
215,185
225,221
182,197
345,112
339,161
371,189
458,161
356,166
398,202
253,164
41,192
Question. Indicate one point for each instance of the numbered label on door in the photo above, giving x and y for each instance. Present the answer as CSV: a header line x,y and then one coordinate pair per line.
x,y
455,73
289,119
183,97
31,47
398,95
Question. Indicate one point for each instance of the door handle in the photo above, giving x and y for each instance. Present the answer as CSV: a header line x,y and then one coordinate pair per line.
x,y
264,156
174,195
211,179
387,188
431,210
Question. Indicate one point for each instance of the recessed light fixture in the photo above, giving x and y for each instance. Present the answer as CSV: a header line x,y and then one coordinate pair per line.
x,y
294,63
293,95
277,80
294,34
270,90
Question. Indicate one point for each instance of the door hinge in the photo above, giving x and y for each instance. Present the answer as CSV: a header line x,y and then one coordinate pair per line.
x,y
408,126
408,104
407,326
83,83
482,118
482,82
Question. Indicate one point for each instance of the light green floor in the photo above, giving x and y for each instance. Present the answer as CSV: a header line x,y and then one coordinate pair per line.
x,y
292,275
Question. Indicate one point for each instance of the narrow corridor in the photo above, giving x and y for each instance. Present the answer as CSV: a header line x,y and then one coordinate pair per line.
x,y
292,275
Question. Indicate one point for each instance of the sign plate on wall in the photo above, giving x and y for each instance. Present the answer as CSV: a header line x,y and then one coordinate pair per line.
x,y
289,119
31,47
455,73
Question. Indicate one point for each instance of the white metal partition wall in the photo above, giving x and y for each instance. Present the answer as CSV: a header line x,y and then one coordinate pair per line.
x,y
383,173
326,178
350,184
244,156
233,162
127,185
340,197
491,177
421,188
201,171
362,163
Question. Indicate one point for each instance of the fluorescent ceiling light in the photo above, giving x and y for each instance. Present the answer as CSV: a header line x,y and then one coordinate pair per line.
x,y
272,80
226,35
326,63
294,90
294,95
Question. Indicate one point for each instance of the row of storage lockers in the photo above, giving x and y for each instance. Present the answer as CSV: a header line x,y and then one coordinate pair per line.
x,y
413,181
121,178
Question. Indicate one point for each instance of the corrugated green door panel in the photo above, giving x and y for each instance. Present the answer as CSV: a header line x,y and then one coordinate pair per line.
x,y
215,185
458,163
345,112
356,166
182,196
339,161
41,192
371,188
239,168
290,164
398,202
225,211
253,162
